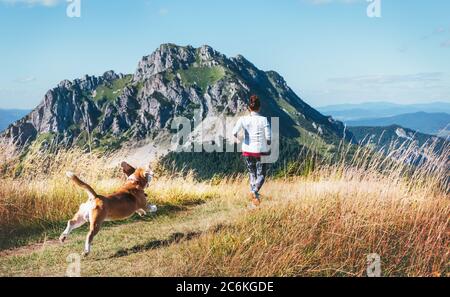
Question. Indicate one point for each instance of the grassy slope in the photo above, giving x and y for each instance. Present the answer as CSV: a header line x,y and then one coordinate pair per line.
x,y
202,76
325,223
113,91
311,226
183,212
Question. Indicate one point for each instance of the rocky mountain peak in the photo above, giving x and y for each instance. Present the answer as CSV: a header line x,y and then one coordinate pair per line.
x,y
167,56
110,75
278,79
207,56
115,109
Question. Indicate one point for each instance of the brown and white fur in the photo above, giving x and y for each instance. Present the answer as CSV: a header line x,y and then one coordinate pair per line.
x,y
129,199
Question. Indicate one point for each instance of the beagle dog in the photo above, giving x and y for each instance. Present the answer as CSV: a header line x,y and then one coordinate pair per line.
x,y
129,199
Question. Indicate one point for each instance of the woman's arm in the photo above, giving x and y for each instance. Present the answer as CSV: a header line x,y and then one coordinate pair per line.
x,y
268,132
236,129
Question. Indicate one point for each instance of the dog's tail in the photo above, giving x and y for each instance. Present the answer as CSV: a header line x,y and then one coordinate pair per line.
x,y
91,193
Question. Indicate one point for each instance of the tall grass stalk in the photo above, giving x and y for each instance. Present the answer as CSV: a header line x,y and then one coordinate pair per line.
x,y
394,202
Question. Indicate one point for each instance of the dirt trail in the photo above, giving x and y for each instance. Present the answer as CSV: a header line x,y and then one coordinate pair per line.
x,y
30,248
47,243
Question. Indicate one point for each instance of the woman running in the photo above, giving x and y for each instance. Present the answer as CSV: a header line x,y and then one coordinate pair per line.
x,y
256,144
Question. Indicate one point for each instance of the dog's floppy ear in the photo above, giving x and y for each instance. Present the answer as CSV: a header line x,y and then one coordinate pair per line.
x,y
127,168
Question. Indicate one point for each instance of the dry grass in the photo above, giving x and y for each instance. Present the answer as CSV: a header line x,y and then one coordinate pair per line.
x,y
326,227
41,195
324,224
41,198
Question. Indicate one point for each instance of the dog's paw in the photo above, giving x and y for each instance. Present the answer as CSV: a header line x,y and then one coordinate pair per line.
x,y
70,174
85,253
141,213
62,238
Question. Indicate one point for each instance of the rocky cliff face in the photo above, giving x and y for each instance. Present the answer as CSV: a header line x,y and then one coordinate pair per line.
x,y
113,109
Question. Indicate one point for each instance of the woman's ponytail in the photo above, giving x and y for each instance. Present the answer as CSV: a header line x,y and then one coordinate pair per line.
x,y
255,103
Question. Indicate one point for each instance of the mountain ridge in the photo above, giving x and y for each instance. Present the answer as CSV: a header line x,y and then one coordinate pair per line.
x,y
429,123
347,112
113,110
394,136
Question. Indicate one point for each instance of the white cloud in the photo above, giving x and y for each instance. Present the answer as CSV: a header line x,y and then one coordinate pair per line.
x,y
25,80
48,3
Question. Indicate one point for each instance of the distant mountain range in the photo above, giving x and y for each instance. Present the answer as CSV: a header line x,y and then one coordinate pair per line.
x,y
383,137
429,123
432,118
8,116
352,112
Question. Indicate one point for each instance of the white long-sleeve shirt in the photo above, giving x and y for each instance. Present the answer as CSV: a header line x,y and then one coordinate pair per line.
x,y
257,133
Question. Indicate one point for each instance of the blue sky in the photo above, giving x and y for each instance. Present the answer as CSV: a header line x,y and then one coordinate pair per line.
x,y
329,51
